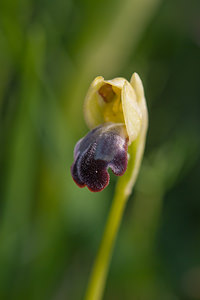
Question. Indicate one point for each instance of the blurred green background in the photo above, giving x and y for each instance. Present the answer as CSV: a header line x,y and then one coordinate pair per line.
x,y
50,229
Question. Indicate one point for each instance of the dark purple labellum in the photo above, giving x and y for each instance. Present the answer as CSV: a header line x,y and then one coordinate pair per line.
x,y
102,148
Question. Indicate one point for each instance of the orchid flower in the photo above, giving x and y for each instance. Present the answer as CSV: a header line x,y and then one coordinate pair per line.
x,y
116,113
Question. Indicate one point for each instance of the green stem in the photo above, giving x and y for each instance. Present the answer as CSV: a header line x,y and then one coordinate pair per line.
x,y
100,268
123,190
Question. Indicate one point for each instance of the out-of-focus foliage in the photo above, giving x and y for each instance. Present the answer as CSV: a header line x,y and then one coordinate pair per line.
x,y
49,228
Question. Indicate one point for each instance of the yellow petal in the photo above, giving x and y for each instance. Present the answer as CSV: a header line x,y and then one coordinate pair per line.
x,y
93,110
131,110
117,82
137,85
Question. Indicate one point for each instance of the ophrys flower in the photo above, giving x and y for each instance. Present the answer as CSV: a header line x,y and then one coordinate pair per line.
x,y
115,111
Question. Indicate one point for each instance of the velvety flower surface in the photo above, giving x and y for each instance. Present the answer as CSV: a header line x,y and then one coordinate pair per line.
x,y
102,148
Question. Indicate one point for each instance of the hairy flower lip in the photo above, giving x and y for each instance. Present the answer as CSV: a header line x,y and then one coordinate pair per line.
x,y
82,185
102,148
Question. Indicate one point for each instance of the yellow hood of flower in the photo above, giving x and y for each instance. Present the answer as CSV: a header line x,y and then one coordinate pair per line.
x,y
117,101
